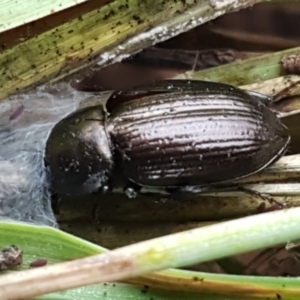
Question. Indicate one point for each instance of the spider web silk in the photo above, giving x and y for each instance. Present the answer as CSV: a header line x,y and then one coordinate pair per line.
x,y
25,123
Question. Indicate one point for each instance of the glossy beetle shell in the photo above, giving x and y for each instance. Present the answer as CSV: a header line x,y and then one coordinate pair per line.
x,y
171,134
78,153
209,134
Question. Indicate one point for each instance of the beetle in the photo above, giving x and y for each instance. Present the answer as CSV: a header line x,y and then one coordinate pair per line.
x,y
173,135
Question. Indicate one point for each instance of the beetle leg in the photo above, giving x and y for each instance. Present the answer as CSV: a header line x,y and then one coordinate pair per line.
x,y
265,99
131,190
264,197
107,188
187,191
202,189
55,200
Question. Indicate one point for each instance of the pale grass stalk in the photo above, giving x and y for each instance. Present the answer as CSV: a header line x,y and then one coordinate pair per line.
x,y
176,250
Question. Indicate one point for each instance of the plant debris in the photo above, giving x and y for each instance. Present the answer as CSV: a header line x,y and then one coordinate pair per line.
x,y
10,257
38,263
291,64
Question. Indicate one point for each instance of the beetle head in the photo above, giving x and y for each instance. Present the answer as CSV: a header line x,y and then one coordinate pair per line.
x,y
78,153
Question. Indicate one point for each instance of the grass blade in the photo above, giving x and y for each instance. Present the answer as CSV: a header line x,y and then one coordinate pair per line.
x,y
181,249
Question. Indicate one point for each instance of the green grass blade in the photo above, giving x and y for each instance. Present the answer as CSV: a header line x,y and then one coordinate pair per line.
x,y
178,249
57,246
249,71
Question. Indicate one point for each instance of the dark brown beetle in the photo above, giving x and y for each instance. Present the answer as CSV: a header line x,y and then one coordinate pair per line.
x,y
173,134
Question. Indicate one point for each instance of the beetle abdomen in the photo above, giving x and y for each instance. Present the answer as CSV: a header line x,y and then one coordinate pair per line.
x,y
195,138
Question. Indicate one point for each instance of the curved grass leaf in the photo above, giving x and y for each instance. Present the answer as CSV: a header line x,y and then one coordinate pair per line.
x,y
55,246
249,71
